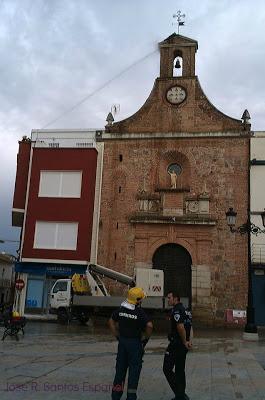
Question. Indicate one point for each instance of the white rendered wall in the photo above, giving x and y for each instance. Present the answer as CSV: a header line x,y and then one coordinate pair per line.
x,y
257,195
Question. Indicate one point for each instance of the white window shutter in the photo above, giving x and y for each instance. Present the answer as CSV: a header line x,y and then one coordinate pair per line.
x,y
45,235
56,235
49,184
65,184
66,236
71,184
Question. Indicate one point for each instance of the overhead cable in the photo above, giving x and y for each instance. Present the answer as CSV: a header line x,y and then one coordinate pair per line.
x,y
70,109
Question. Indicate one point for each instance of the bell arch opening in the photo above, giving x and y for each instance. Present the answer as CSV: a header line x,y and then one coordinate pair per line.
x,y
177,64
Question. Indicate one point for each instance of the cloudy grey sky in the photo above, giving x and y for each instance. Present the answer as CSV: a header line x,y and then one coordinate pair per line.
x,y
53,53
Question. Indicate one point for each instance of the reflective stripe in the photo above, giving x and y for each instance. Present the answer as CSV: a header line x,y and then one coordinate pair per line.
x,y
131,390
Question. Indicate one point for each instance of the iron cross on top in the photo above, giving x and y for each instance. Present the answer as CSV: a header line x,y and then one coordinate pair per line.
x,y
179,17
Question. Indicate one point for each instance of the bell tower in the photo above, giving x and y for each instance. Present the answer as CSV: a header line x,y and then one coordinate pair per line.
x,y
177,102
177,46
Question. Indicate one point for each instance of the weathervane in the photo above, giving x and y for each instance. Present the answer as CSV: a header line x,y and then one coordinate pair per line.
x,y
179,17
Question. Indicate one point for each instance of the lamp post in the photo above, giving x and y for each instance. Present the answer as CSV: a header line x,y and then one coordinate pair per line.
x,y
248,228
11,241
13,296
8,240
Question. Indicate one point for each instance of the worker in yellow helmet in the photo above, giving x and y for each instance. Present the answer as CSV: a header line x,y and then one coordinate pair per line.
x,y
135,295
132,328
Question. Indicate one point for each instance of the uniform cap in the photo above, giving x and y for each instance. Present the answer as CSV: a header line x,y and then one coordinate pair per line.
x,y
135,294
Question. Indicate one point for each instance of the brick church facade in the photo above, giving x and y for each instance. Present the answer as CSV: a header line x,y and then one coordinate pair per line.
x,y
170,173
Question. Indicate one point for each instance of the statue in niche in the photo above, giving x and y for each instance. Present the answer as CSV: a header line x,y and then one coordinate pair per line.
x,y
174,170
173,178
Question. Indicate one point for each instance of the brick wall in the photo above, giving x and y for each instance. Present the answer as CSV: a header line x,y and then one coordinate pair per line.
x,y
219,273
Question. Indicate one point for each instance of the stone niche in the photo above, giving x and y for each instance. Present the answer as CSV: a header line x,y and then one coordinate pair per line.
x,y
172,191
163,179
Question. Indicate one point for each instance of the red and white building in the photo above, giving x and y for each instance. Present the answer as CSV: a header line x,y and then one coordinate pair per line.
x,y
56,203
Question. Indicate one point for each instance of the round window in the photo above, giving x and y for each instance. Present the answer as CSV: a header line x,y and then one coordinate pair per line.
x,y
174,168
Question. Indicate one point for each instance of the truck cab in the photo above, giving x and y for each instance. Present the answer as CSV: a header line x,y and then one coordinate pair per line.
x,y
61,294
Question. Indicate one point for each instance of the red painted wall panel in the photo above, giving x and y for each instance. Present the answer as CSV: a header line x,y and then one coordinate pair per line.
x,y
62,209
21,174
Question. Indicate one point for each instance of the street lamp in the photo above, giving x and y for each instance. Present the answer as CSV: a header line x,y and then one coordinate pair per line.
x,y
249,228
8,240
11,241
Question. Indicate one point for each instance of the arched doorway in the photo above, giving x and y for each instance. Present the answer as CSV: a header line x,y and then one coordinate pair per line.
x,y
176,262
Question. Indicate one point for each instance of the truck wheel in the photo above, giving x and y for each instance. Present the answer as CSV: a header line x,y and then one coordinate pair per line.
x,y
63,316
83,318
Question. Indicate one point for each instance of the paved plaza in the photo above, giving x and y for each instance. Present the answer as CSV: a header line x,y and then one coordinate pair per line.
x,y
74,362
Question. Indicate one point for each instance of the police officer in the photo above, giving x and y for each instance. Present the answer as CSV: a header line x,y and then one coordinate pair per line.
x,y
132,328
180,341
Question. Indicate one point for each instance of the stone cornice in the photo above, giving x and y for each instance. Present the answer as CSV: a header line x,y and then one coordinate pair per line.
x,y
169,135
141,218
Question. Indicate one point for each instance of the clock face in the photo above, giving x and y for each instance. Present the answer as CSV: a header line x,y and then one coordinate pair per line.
x,y
193,206
176,95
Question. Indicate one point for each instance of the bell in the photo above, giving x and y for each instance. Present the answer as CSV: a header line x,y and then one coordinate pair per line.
x,y
177,65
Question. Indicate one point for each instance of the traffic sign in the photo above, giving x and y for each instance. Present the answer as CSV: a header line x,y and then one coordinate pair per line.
x,y
20,284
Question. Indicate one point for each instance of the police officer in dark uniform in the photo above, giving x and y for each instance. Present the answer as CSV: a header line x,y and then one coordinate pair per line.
x,y
180,341
132,328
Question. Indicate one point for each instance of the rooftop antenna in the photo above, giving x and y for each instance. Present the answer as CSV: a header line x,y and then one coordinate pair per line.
x,y
115,109
179,18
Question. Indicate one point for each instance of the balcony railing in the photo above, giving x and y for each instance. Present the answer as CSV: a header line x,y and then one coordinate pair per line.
x,y
258,253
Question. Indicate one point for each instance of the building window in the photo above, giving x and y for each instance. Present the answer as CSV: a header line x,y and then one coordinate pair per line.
x,y
60,184
56,235
60,286
120,157
174,168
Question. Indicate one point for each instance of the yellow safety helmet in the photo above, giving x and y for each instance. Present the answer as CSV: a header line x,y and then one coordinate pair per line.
x,y
15,314
135,294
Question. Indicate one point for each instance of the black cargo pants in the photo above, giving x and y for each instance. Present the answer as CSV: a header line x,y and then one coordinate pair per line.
x,y
129,357
175,357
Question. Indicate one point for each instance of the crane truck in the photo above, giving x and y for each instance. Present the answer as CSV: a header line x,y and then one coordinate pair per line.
x,y
85,295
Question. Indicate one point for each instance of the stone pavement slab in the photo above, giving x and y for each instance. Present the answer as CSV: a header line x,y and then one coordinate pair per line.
x,y
65,363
